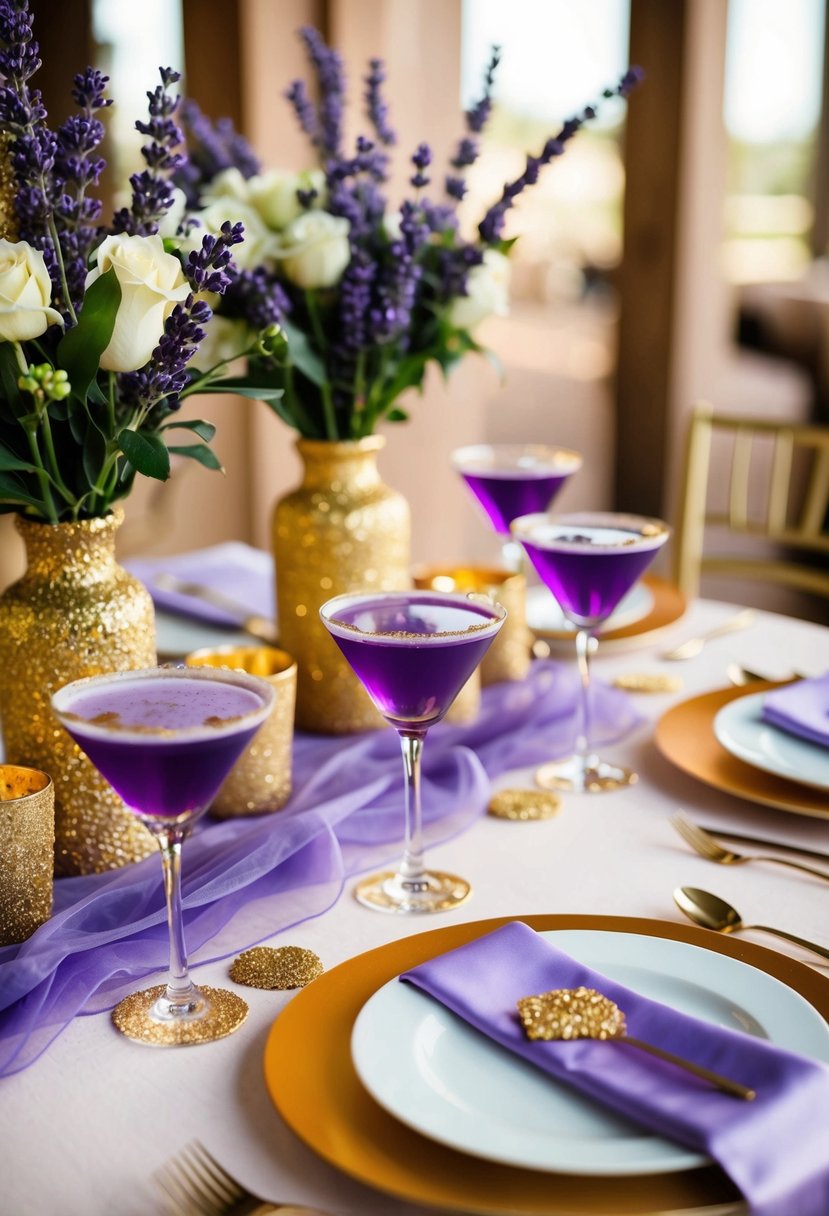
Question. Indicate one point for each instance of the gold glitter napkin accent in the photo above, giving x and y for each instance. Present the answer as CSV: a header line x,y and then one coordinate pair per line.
x,y
280,967
648,682
571,1013
524,805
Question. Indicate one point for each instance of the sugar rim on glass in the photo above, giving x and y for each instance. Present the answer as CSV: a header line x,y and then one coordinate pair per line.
x,y
524,528
471,600
482,459
252,717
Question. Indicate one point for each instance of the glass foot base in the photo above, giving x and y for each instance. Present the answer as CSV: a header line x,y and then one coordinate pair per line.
x,y
137,1018
433,892
594,777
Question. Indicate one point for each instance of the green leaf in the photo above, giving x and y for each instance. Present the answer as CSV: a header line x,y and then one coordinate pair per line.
x,y
200,452
241,388
12,491
9,461
397,415
205,430
9,372
146,453
303,356
80,349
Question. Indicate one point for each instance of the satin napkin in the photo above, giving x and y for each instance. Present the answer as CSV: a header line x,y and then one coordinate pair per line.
x,y
801,709
774,1148
236,570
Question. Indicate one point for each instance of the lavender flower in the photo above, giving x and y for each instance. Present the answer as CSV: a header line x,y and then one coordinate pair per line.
x,y
376,109
477,118
152,189
421,159
212,148
329,71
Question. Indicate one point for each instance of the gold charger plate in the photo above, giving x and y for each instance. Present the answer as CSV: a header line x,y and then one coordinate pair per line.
x,y
668,606
685,736
314,1086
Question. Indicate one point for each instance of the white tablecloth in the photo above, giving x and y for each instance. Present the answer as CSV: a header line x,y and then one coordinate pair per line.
x,y
83,1129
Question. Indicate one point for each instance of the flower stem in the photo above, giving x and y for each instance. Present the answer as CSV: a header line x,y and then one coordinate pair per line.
x,y
325,387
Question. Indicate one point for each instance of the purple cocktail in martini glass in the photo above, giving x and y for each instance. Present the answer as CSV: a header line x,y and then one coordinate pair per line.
x,y
589,561
413,651
511,479
165,738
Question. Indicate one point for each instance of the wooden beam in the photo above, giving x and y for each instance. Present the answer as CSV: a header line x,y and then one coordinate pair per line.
x,y
653,157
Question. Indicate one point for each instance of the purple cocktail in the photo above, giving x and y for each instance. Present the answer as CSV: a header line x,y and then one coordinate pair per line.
x,y
165,739
509,480
413,651
589,561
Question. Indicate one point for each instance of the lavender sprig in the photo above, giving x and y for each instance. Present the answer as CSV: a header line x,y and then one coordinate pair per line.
x,y
492,225
477,117
328,66
211,149
152,189
377,110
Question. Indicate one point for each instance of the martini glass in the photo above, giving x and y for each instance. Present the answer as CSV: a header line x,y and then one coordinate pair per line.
x,y
512,479
589,561
165,738
413,651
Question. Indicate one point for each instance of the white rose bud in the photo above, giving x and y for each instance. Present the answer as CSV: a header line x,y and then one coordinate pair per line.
x,y
230,183
152,283
25,293
315,249
487,292
274,194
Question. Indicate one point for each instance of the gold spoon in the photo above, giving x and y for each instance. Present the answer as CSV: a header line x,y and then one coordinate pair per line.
x,y
714,913
584,1013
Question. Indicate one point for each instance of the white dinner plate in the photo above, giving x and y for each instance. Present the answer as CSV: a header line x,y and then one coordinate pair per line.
x,y
544,614
437,1074
740,729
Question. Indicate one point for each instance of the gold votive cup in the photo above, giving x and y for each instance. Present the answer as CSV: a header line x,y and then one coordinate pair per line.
x,y
27,851
260,780
508,658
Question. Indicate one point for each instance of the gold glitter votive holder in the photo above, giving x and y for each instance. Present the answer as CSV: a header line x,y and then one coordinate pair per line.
x,y
27,848
508,658
260,780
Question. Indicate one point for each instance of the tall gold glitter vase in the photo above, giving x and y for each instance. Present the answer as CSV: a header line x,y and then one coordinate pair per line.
x,y
341,530
75,612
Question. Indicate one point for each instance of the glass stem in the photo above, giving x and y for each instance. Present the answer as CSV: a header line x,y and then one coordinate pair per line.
x,y
583,751
411,870
181,991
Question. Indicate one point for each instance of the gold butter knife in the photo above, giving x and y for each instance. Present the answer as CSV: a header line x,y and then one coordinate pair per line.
x,y
258,627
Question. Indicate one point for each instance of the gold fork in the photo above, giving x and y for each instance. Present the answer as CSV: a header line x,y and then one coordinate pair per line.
x,y
712,850
196,1185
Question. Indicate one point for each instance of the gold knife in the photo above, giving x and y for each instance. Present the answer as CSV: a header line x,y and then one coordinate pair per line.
x,y
258,627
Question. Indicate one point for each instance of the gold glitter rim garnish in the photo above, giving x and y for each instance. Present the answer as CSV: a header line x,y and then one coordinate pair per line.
x,y
566,1014
276,967
524,805
648,682
227,1012
403,635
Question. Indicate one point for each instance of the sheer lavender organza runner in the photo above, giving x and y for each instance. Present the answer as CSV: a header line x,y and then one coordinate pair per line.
x,y
773,1148
245,880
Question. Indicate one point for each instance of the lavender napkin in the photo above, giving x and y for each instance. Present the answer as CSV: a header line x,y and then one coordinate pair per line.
x,y
236,570
801,709
774,1148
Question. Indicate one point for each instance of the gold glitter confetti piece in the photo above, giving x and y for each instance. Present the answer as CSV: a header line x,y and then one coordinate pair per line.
x,y
276,967
648,682
227,1012
584,1013
524,805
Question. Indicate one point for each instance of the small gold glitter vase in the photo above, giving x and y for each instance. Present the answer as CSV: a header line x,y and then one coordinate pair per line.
x,y
341,530
75,612
27,841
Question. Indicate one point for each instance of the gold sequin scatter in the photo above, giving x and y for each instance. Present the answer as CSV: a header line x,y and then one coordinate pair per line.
x,y
27,840
648,682
227,1012
75,612
524,805
280,967
571,1013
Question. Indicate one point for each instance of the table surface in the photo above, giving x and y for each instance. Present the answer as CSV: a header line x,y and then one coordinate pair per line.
x,y
83,1129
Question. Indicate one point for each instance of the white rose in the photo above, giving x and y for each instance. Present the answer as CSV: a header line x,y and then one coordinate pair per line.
x,y
487,292
169,222
25,293
274,194
315,249
259,245
230,183
225,339
152,283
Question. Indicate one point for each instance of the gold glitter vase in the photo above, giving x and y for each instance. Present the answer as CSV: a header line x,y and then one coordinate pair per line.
x,y
341,530
75,612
